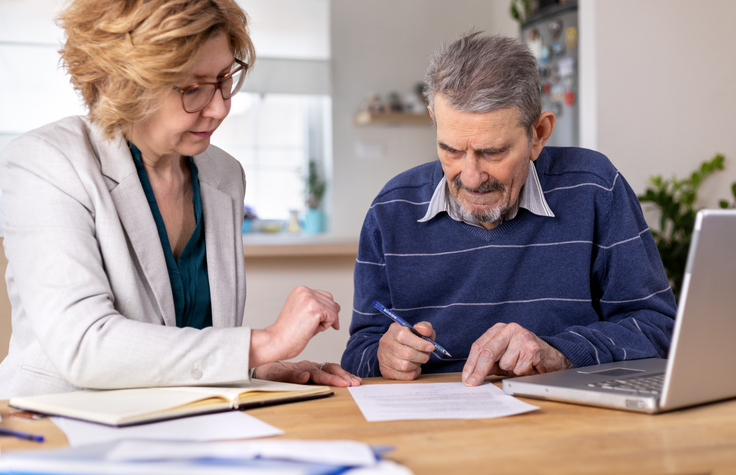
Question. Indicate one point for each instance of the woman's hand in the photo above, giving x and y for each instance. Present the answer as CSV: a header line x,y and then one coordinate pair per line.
x,y
329,374
306,312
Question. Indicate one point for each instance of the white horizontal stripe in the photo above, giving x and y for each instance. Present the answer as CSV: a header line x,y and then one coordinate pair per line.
x,y
362,357
370,263
403,201
477,304
586,184
637,300
488,247
598,361
365,313
606,336
624,241
562,243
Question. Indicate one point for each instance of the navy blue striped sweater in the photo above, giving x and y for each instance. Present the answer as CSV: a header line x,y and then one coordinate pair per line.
x,y
589,281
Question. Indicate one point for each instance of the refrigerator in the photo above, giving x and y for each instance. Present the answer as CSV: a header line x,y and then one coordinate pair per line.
x,y
551,32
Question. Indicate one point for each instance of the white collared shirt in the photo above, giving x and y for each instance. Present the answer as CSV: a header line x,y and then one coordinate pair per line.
x,y
531,198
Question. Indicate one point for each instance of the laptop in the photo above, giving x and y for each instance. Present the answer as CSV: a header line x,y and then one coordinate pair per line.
x,y
701,365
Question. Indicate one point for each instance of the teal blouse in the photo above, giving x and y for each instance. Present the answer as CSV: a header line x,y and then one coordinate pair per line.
x,y
190,283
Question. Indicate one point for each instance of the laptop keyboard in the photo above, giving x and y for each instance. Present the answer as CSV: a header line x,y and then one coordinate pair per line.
x,y
644,385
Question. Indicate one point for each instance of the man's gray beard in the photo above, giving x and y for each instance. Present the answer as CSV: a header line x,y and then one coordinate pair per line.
x,y
485,216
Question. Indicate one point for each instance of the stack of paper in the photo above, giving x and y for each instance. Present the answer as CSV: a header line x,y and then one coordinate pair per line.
x,y
186,458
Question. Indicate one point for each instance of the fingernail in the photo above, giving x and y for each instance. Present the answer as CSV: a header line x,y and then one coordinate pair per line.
x,y
470,382
303,374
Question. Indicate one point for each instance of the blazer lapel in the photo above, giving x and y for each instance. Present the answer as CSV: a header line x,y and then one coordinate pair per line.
x,y
116,163
218,212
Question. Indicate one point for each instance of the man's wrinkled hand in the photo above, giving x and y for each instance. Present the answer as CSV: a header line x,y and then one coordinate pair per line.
x,y
401,353
510,350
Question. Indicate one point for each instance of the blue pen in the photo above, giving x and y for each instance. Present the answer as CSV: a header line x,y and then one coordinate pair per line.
x,y
21,435
406,324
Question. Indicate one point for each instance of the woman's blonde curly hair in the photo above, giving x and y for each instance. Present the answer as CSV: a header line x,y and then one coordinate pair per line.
x,y
123,56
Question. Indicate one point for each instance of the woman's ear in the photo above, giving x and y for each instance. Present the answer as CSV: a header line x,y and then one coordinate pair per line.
x,y
542,130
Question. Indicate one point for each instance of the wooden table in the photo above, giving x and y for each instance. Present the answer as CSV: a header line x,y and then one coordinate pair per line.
x,y
558,438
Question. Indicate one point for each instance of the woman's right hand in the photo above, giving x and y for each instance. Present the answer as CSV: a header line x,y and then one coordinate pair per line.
x,y
329,374
305,313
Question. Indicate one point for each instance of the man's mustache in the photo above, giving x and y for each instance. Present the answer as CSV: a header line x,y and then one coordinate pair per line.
x,y
485,187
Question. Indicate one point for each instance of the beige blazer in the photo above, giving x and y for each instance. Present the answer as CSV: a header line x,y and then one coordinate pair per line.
x,y
87,280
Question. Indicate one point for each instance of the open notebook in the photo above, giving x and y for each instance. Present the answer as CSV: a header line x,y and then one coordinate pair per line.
x,y
700,366
123,407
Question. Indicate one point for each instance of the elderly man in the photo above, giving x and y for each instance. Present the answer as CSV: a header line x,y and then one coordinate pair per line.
x,y
518,259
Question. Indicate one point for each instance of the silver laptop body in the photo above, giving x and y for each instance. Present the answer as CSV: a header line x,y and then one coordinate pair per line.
x,y
700,368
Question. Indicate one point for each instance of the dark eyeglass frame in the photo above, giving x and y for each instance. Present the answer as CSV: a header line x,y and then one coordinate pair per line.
x,y
218,85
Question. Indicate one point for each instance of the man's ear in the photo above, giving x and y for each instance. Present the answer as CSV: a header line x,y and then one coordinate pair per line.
x,y
542,129
430,112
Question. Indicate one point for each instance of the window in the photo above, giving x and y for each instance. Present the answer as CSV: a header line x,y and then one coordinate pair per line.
x,y
274,136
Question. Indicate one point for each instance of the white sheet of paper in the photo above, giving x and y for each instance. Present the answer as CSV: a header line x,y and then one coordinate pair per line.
x,y
220,426
334,452
402,402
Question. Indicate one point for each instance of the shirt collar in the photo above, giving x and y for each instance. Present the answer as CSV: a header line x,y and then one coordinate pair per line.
x,y
531,198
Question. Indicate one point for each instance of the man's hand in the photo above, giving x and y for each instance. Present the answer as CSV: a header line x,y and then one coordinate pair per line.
x,y
401,353
330,374
510,349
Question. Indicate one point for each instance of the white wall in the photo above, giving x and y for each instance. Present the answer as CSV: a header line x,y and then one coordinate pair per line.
x,y
665,87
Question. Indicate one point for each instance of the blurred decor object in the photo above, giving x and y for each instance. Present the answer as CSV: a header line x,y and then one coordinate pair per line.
x,y
520,10
314,221
409,108
248,217
294,226
271,226
394,102
315,186
315,190
675,200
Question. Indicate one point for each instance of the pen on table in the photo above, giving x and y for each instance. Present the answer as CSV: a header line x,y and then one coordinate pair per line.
x,y
21,435
406,324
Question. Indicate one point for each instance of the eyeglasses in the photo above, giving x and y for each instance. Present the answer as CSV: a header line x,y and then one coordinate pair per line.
x,y
196,97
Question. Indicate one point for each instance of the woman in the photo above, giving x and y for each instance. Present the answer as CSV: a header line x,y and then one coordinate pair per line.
x,y
122,229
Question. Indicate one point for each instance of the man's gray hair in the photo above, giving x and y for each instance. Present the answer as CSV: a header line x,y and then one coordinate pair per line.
x,y
485,73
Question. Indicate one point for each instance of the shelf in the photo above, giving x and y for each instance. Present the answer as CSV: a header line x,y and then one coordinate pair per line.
x,y
284,245
391,118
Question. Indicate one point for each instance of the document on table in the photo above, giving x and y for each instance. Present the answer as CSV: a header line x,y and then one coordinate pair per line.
x,y
221,426
396,402
331,452
265,457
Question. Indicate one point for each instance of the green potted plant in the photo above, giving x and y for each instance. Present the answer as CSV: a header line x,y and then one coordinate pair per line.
x,y
520,10
315,187
675,200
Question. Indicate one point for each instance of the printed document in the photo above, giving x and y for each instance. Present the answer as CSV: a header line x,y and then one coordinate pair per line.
x,y
397,402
